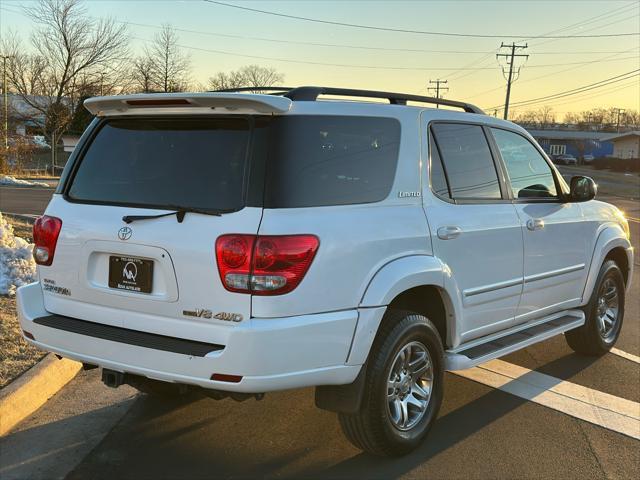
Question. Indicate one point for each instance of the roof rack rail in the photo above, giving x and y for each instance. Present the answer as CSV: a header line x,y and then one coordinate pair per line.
x,y
311,94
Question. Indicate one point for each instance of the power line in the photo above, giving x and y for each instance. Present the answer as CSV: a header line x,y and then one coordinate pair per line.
x,y
344,65
597,18
589,96
512,56
356,47
584,88
309,62
342,45
615,12
608,58
602,83
402,30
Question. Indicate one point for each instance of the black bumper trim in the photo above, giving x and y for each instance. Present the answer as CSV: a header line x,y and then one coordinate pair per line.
x,y
128,336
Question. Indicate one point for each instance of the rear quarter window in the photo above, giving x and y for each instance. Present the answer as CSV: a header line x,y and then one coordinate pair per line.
x,y
330,160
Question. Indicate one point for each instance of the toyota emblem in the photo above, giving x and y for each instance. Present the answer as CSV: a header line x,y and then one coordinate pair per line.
x,y
125,233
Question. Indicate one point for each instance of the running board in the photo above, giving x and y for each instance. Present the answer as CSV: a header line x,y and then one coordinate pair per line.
x,y
467,357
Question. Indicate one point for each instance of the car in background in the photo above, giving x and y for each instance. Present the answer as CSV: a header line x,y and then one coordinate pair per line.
x,y
588,158
565,159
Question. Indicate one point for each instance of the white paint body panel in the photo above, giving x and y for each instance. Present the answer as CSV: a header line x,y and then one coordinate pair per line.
x,y
487,254
321,333
555,260
270,354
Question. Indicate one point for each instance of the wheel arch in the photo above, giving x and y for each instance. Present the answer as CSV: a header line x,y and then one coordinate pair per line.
x,y
612,243
415,283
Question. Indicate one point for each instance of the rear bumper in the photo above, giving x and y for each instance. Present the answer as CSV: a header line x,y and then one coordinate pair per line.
x,y
270,354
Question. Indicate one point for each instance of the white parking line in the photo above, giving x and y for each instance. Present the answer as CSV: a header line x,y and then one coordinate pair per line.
x,y
626,355
608,411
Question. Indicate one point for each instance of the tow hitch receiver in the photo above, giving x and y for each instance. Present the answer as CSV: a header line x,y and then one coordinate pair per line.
x,y
112,378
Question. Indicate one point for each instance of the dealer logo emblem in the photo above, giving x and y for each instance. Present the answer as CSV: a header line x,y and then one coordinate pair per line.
x,y
125,233
130,271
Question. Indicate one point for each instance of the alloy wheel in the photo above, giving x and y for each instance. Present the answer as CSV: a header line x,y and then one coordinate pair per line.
x,y
409,386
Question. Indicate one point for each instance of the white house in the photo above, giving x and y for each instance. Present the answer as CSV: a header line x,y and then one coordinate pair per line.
x,y
626,145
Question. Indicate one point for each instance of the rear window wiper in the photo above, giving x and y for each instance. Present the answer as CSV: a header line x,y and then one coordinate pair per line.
x,y
179,212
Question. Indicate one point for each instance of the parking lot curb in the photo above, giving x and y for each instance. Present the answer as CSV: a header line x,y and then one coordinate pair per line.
x,y
33,388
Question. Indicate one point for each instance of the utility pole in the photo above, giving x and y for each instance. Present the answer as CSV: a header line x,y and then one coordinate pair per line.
x,y
438,88
511,56
6,101
619,110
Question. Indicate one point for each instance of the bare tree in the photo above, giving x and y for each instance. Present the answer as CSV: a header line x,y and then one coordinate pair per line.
x,y
257,76
223,81
142,74
68,47
545,116
571,118
604,119
253,76
527,118
171,67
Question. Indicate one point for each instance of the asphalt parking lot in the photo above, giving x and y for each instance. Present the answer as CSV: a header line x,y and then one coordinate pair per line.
x,y
541,412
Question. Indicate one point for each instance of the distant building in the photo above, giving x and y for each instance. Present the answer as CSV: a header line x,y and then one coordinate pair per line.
x,y
574,142
625,145
70,141
25,119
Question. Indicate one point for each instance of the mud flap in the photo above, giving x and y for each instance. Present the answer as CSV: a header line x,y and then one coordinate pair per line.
x,y
342,398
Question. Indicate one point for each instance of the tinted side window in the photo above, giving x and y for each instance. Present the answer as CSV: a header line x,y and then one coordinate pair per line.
x,y
529,173
330,160
437,177
467,161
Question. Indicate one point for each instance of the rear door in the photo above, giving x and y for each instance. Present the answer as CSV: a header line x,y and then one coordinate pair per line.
x,y
475,229
146,274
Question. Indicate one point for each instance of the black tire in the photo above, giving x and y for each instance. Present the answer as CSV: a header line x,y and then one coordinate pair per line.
x,y
590,339
371,429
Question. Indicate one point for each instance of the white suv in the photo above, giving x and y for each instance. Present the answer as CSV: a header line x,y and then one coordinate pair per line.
x,y
246,243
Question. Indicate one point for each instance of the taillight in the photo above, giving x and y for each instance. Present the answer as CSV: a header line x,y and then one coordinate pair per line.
x,y
45,237
265,264
233,253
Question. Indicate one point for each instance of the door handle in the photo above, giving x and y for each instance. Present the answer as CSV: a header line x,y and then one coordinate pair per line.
x,y
449,233
535,224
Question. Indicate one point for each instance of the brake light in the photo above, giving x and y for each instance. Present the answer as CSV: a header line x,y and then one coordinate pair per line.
x,y
158,102
264,264
45,237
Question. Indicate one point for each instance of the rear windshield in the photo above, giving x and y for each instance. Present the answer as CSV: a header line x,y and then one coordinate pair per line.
x,y
161,162
330,160
307,160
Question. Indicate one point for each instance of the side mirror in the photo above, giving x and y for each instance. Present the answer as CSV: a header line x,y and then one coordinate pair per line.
x,y
583,189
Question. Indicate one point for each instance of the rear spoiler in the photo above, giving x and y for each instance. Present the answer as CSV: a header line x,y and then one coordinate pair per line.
x,y
184,102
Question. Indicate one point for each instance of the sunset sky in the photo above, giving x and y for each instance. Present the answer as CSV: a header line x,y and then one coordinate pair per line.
x,y
401,61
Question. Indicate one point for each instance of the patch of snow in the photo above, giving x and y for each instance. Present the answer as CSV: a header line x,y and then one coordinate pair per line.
x,y
17,266
9,180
